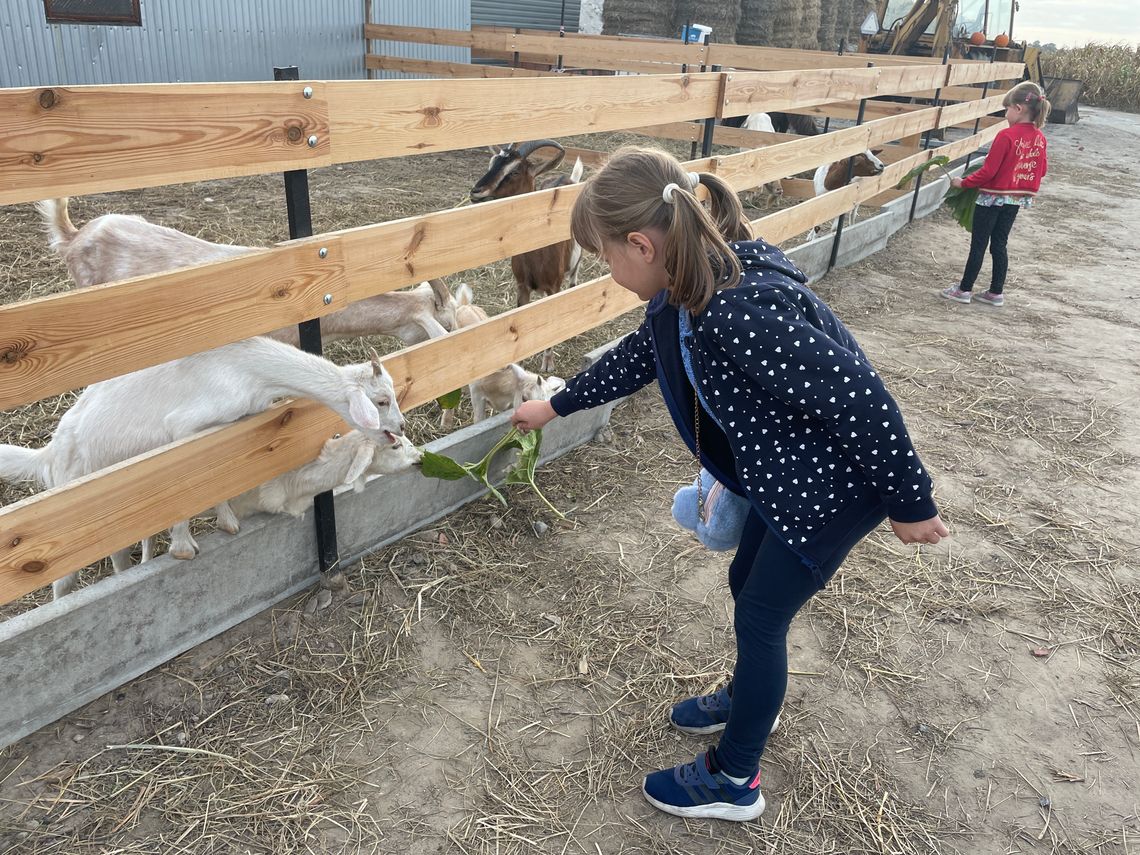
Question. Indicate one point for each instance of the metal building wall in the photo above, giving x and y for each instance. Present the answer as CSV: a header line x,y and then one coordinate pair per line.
x,y
208,40
526,14
445,14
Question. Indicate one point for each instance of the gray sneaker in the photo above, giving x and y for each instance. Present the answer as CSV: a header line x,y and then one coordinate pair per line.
x,y
990,298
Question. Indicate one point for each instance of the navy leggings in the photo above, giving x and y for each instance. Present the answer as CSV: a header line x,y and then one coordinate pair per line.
x,y
769,584
991,228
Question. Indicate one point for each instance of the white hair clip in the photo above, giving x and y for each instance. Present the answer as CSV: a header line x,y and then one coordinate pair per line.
x,y
667,193
694,179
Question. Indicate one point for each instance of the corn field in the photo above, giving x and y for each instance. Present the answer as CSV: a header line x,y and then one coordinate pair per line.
x,y
1111,73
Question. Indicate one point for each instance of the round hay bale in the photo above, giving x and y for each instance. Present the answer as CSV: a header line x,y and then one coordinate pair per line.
x,y
828,17
807,28
786,16
755,27
639,18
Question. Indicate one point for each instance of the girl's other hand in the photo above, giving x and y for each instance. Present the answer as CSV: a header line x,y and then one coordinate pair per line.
x,y
956,182
532,415
927,531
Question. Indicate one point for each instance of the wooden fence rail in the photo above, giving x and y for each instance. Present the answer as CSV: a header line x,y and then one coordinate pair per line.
x,y
87,139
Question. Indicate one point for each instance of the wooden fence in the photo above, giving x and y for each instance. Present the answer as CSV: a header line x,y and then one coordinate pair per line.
x,y
653,56
71,140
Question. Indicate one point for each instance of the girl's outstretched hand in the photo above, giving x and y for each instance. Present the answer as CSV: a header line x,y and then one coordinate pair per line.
x,y
532,415
927,531
956,182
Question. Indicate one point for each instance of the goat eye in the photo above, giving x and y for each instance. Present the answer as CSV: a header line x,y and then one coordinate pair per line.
x,y
383,402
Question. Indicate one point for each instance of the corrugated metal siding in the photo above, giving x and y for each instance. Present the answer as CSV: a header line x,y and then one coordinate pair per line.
x,y
526,14
203,40
445,14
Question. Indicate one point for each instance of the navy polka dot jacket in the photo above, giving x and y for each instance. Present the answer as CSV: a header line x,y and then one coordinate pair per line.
x,y
811,435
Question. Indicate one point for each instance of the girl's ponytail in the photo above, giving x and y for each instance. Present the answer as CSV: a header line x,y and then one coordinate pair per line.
x,y
629,194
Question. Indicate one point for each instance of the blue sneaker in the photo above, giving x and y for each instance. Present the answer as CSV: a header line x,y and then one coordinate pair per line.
x,y
694,790
705,713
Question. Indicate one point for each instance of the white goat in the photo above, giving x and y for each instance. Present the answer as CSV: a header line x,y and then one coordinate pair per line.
x,y
129,415
506,388
343,460
119,246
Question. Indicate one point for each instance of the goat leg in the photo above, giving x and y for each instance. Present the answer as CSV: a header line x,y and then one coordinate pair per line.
x,y
182,543
227,519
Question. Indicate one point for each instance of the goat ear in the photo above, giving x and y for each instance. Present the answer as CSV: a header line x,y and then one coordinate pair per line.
x,y
362,411
464,296
876,151
377,367
360,463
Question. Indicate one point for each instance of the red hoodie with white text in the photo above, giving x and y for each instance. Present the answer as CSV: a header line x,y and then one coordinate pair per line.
x,y
1015,165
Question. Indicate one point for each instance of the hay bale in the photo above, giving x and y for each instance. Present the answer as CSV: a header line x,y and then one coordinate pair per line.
x,y
722,15
807,28
786,23
828,18
755,27
639,18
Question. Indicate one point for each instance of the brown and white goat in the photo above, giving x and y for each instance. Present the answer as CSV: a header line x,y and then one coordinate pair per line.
x,y
119,246
513,170
506,388
832,176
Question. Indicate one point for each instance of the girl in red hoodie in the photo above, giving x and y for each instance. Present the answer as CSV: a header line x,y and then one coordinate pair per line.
x,y
1007,182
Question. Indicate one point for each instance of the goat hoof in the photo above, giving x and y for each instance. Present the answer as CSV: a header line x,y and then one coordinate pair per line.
x,y
229,527
187,554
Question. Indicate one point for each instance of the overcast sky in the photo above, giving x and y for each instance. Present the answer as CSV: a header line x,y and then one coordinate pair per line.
x,y
1077,22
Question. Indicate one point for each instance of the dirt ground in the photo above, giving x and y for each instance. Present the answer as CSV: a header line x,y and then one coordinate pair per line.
x,y
487,689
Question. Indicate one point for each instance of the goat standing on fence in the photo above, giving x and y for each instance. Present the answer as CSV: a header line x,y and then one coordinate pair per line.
x,y
833,176
136,413
119,246
513,170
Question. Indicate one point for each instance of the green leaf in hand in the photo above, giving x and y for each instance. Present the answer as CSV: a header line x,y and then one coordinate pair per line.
x,y
523,470
940,161
435,465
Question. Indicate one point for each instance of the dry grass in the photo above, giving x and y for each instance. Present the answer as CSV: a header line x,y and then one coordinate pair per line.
x,y
1111,73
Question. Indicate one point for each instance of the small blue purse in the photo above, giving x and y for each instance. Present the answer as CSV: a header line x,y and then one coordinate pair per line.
x,y
724,512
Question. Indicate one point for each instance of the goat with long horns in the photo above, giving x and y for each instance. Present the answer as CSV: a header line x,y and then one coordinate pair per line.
x,y
515,169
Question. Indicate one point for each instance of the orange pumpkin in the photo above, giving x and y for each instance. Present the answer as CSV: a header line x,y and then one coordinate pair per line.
x,y
978,39
1001,41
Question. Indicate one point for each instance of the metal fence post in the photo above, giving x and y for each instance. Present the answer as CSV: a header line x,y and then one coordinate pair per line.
x,y
978,121
926,141
850,169
710,128
300,226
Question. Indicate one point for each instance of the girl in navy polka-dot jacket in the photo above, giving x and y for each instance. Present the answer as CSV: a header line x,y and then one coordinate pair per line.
x,y
792,416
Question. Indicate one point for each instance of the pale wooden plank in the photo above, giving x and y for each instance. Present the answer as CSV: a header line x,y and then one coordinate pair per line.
x,y
63,530
62,342
92,139
420,116
439,68
421,35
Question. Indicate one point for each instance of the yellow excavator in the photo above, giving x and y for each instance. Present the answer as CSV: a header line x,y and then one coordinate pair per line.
x,y
970,29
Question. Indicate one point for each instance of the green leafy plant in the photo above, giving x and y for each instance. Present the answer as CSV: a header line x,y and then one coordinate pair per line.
x,y
940,161
450,401
961,202
522,472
